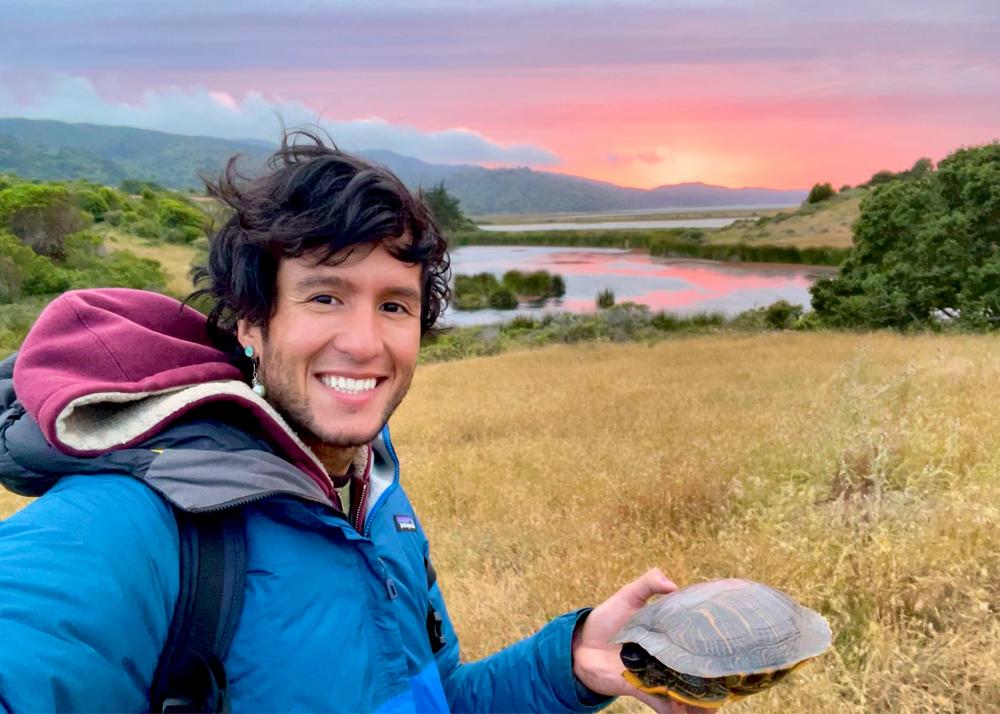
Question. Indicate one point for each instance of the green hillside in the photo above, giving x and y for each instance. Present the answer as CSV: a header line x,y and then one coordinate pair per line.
x,y
52,150
65,235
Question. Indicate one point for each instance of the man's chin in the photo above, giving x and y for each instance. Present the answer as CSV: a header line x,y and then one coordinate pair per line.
x,y
343,440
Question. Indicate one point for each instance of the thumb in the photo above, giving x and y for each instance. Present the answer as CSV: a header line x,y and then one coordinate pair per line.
x,y
652,582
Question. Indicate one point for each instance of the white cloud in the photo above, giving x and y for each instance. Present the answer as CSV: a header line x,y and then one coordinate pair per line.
x,y
200,111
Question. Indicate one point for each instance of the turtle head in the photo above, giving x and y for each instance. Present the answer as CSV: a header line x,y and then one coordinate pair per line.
x,y
634,657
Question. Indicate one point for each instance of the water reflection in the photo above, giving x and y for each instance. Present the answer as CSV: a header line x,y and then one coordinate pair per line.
x,y
606,225
677,285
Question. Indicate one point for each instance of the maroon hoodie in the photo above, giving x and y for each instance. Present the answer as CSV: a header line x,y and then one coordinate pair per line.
x,y
119,345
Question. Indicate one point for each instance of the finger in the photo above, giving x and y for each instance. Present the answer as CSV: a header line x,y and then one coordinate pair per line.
x,y
652,582
659,704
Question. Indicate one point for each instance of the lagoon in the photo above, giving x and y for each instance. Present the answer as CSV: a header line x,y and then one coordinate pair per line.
x,y
681,286
609,225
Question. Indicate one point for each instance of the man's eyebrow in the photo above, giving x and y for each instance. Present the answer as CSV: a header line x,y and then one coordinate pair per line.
x,y
313,282
404,293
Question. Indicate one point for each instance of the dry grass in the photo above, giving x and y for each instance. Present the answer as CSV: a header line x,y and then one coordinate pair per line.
x,y
859,473
175,259
829,226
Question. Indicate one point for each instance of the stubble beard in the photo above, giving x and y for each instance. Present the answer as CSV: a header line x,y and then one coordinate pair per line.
x,y
282,395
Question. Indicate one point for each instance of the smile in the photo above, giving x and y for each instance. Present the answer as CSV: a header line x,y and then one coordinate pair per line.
x,y
347,385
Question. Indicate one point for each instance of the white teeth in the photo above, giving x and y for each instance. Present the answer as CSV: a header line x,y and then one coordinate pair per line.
x,y
348,385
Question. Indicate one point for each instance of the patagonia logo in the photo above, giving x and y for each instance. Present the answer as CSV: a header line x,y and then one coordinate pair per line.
x,y
405,523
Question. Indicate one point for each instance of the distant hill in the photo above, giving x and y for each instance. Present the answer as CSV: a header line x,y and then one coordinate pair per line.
x,y
56,150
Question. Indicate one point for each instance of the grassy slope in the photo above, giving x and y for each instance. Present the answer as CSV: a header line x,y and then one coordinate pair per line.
x,y
176,259
590,217
828,225
856,472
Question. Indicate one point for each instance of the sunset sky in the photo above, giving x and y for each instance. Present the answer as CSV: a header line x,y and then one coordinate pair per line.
x,y
755,93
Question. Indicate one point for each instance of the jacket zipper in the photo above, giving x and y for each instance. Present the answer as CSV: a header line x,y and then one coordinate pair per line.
x,y
361,506
392,487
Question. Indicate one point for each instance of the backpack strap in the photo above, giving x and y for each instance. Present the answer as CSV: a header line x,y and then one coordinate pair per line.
x,y
190,676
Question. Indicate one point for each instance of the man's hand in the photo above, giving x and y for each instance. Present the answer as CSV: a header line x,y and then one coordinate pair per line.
x,y
597,664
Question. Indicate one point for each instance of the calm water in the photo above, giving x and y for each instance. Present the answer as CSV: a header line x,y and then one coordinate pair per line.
x,y
678,285
679,223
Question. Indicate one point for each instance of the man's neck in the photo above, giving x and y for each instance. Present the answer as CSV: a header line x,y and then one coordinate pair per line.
x,y
336,459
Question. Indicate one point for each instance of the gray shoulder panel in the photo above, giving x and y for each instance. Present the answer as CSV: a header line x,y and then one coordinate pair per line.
x,y
198,480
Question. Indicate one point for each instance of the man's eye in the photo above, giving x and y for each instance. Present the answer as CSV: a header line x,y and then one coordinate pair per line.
x,y
324,299
394,307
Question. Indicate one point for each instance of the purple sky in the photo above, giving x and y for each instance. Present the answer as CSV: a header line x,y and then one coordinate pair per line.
x,y
641,93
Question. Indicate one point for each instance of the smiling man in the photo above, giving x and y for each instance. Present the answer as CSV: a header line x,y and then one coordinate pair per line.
x,y
151,434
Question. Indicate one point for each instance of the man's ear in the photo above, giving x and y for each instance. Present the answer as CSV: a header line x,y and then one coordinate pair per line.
x,y
248,335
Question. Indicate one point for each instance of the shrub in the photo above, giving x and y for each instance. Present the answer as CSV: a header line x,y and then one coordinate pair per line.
x,y
665,322
558,286
93,202
40,215
175,214
782,315
472,292
820,192
125,270
28,273
605,299
503,299
925,251
82,250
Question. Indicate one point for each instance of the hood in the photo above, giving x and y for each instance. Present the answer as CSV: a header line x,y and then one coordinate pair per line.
x,y
107,370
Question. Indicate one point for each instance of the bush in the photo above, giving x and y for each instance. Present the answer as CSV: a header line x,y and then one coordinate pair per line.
x,y
605,299
782,315
503,299
27,273
472,292
820,192
175,214
40,215
124,270
925,251
538,285
558,286
92,202
82,250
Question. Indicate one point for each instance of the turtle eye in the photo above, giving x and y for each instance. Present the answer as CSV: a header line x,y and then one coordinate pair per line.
x,y
634,657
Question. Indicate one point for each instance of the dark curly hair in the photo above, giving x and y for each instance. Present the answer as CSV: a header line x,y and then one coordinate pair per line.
x,y
313,197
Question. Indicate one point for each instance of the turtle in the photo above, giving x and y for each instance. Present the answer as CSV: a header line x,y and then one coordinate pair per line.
x,y
719,641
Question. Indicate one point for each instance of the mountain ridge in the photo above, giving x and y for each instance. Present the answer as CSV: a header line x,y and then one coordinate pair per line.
x,y
52,150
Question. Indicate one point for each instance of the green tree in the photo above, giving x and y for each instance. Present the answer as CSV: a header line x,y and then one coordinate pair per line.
x,y
40,215
821,192
924,251
445,209
920,168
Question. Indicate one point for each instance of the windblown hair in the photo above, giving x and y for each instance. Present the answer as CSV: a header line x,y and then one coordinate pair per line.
x,y
314,198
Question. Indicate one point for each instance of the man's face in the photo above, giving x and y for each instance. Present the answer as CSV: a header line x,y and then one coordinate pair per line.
x,y
341,345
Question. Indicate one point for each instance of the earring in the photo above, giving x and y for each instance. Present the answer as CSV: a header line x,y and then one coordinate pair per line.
x,y
255,383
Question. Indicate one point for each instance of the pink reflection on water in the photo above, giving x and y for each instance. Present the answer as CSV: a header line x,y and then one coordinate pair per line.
x,y
704,281
656,299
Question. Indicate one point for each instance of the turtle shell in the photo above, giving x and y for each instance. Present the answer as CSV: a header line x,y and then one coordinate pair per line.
x,y
731,627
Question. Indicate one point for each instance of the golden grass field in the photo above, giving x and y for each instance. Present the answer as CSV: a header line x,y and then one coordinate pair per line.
x,y
860,473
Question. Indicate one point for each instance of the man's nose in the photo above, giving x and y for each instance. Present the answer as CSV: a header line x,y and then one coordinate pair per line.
x,y
360,337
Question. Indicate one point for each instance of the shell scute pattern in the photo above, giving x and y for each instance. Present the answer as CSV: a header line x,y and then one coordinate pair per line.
x,y
727,627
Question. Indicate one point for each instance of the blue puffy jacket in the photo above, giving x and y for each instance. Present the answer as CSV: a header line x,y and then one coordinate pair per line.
x,y
333,619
